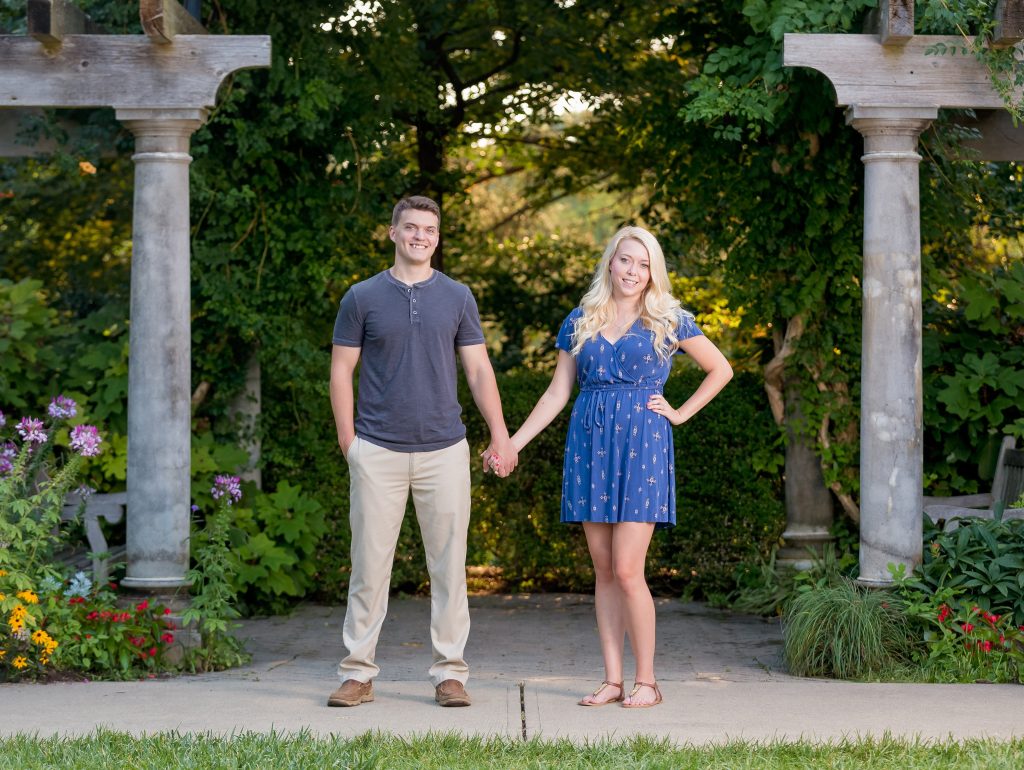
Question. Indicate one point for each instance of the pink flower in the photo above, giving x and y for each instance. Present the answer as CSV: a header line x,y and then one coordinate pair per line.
x,y
227,485
85,440
62,407
32,431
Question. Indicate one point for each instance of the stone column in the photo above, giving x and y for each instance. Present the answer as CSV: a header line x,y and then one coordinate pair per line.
x,y
891,460
160,372
808,501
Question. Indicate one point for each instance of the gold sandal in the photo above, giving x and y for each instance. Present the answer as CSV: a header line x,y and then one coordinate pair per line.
x,y
595,693
636,688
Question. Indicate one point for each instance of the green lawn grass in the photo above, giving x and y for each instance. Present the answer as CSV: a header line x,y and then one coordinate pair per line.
x,y
380,750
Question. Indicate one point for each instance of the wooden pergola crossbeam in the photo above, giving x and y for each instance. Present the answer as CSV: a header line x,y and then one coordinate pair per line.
x,y
49,21
863,71
163,20
124,71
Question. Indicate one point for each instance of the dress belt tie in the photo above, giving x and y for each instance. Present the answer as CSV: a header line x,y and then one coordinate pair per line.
x,y
590,419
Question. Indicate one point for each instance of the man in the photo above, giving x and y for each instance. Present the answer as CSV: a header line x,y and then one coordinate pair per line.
x,y
405,326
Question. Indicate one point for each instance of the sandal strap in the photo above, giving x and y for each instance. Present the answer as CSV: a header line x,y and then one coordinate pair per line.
x,y
606,683
638,685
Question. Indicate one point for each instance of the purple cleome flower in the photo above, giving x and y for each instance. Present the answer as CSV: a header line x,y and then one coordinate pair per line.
x,y
62,407
32,431
8,451
7,454
227,485
85,440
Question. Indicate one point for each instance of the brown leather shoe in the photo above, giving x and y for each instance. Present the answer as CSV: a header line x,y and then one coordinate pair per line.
x,y
451,693
351,693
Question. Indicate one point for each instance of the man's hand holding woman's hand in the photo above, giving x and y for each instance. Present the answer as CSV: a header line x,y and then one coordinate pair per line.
x,y
500,458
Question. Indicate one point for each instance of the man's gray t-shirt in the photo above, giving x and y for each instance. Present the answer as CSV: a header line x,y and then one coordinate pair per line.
x,y
407,380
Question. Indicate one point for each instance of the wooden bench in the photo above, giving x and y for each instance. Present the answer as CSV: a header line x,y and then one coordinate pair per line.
x,y
1007,487
108,506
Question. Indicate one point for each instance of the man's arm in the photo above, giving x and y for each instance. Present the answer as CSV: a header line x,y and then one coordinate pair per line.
x,y
343,367
480,377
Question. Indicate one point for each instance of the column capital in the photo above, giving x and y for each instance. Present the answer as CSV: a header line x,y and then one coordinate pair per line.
x,y
871,119
150,120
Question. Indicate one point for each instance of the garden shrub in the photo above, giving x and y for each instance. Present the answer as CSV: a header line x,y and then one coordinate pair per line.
x,y
845,631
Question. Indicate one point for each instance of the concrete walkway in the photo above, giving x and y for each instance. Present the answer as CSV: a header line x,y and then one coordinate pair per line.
x,y
720,674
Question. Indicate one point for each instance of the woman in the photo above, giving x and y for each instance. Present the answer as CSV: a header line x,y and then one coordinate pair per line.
x,y
618,475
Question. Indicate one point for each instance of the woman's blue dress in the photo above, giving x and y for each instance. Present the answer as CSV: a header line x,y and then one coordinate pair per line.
x,y
618,455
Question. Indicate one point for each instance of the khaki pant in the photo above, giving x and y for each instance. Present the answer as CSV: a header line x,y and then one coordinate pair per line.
x,y
380,484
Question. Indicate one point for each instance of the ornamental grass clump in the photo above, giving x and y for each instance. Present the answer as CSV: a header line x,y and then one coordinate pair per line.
x,y
844,631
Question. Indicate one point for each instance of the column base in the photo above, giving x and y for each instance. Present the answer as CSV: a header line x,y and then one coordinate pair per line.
x,y
873,583
155,585
802,547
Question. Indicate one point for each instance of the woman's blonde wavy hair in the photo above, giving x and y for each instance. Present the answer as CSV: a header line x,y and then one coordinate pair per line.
x,y
660,312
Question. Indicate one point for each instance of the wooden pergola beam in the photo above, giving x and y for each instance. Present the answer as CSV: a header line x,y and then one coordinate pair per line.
x,y
124,71
865,72
895,21
49,21
1009,29
162,20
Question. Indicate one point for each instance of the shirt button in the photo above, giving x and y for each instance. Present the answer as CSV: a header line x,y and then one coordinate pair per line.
x,y
414,299
414,312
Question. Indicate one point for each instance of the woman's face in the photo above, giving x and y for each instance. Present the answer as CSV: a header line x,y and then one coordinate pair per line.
x,y
630,269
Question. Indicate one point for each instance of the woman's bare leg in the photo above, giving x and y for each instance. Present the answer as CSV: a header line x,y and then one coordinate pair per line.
x,y
608,605
630,541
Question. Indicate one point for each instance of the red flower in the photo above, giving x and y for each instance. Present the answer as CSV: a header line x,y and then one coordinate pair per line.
x,y
167,611
88,636
92,615
152,651
968,627
170,625
142,606
113,586
986,646
943,613
167,638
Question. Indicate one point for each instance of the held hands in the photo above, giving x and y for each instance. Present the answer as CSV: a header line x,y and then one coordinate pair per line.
x,y
500,458
659,405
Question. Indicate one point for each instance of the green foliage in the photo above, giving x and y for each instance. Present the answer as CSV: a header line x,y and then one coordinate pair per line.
x,y
766,587
974,385
845,631
27,325
272,544
961,641
981,561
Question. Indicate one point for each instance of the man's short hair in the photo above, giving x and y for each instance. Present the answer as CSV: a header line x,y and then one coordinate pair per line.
x,y
420,202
